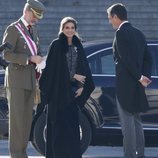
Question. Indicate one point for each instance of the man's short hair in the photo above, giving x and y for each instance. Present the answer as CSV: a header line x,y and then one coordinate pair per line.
x,y
118,9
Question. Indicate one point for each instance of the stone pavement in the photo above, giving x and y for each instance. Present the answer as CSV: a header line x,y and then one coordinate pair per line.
x,y
92,151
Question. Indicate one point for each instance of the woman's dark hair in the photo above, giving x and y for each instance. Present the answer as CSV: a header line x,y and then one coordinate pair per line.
x,y
119,10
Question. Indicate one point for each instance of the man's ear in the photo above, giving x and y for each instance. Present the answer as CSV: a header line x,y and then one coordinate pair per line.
x,y
115,16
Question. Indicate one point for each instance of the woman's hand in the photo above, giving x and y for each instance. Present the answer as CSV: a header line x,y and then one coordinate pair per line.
x,y
80,78
78,92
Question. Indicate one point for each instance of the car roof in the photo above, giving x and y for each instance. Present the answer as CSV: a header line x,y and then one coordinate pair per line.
x,y
92,46
95,42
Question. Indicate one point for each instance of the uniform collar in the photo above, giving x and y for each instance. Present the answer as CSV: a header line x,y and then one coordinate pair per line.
x,y
24,21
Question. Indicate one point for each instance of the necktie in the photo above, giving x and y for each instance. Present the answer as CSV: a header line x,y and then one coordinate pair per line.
x,y
29,27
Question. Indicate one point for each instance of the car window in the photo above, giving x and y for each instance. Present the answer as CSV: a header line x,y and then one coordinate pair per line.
x,y
93,64
154,52
102,63
107,64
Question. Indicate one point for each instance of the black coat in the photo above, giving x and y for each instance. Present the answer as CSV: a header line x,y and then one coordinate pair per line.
x,y
55,80
132,60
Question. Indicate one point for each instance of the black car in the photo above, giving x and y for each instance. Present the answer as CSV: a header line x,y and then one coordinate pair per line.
x,y
99,122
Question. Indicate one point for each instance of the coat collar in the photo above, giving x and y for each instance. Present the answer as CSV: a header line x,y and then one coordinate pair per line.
x,y
75,41
126,24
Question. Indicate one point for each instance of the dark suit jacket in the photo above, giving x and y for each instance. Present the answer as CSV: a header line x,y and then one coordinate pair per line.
x,y
19,74
132,60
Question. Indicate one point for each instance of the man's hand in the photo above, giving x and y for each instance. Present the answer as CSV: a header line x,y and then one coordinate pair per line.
x,y
145,81
41,66
36,59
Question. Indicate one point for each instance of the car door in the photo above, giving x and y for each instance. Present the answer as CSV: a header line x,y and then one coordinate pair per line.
x,y
150,119
103,71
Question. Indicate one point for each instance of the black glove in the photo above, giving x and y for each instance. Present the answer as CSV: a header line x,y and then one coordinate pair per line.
x,y
3,63
5,45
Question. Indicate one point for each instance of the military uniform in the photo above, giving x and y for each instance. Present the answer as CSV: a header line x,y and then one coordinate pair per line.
x,y
20,81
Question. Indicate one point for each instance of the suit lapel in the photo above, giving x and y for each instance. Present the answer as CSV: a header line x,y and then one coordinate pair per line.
x,y
114,48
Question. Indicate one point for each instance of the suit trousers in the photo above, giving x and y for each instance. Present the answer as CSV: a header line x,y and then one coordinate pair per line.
x,y
20,103
133,134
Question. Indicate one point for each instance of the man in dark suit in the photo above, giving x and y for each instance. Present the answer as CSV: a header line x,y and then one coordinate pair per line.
x,y
20,75
133,69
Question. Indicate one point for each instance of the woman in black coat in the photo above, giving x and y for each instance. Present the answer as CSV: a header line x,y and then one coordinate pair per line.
x,y
67,84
